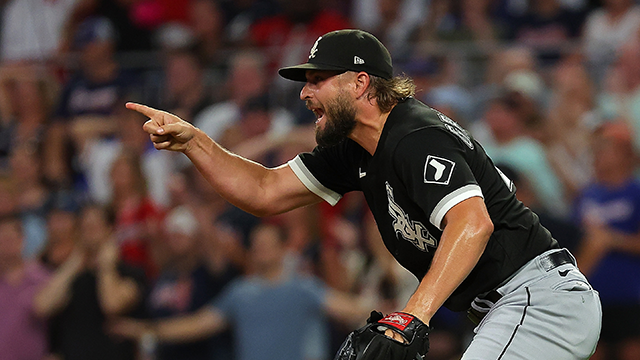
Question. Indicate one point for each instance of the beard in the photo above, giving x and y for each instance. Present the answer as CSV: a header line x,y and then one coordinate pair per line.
x,y
340,120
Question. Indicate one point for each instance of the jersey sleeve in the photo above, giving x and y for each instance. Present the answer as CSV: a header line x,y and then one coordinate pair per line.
x,y
432,163
327,172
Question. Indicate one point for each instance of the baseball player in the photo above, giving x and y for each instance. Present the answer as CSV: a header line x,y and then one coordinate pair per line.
x,y
445,212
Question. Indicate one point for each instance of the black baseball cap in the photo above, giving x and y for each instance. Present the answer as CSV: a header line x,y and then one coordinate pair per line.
x,y
344,50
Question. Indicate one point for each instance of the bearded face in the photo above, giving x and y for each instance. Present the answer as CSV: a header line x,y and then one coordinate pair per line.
x,y
339,121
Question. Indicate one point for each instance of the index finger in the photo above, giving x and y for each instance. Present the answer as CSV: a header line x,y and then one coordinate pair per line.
x,y
142,109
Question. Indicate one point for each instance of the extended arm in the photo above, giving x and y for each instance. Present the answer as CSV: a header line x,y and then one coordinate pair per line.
x,y
467,228
199,325
347,307
248,185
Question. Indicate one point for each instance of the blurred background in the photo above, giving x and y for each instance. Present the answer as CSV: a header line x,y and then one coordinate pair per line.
x,y
102,237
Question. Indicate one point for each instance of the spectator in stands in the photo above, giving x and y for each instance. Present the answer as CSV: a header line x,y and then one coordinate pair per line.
x,y
286,37
258,119
508,143
61,234
564,230
207,22
240,15
32,38
101,153
502,64
89,288
548,27
606,30
27,97
136,215
32,199
609,211
186,89
465,20
23,328
88,103
394,22
269,310
246,79
185,284
133,33
569,124
621,94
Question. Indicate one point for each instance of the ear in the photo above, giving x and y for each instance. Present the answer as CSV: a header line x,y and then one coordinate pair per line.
x,y
362,84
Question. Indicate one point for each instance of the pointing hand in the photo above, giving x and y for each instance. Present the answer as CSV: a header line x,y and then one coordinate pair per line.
x,y
167,131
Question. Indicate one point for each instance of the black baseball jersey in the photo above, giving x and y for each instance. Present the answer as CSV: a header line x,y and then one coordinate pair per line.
x,y
425,164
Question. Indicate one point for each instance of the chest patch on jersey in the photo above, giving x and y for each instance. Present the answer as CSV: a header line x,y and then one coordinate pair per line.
x,y
413,231
438,170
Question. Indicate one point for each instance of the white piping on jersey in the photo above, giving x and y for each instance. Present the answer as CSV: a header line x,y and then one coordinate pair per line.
x,y
451,200
310,181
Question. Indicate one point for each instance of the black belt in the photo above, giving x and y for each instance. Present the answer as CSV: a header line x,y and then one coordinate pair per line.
x,y
482,304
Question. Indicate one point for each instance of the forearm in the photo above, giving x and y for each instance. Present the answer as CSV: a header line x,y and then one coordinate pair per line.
x,y
347,307
197,326
461,246
244,183
55,294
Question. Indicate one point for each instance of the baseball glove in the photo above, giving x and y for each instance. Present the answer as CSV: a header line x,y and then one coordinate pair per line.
x,y
370,343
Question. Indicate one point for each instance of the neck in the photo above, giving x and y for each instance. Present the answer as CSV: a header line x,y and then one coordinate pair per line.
x,y
369,128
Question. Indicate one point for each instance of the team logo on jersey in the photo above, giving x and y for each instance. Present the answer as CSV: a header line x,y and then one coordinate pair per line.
x,y
413,231
314,49
438,170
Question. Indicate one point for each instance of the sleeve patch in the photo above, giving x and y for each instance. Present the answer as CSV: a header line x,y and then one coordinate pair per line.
x,y
438,170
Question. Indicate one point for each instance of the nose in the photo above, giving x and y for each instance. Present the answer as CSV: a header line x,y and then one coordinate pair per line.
x,y
305,93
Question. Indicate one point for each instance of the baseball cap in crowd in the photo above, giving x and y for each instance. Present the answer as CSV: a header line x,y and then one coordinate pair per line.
x,y
344,50
94,29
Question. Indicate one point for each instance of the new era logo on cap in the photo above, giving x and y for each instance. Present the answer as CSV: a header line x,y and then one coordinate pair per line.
x,y
358,60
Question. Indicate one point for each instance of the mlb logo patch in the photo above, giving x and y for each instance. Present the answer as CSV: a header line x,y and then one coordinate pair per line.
x,y
438,170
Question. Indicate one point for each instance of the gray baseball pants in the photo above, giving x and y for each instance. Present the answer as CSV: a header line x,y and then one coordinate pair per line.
x,y
544,314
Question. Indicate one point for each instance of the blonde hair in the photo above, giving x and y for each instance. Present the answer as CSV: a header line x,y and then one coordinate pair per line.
x,y
388,92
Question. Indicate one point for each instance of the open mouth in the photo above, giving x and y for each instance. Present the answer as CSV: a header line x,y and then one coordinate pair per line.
x,y
319,113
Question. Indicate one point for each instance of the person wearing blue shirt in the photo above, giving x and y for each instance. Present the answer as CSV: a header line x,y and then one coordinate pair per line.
x,y
273,312
609,211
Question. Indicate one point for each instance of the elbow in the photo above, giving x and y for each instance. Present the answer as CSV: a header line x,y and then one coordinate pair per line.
x,y
485,228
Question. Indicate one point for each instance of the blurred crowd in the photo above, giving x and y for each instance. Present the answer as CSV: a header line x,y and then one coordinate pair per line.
x,y
110,249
